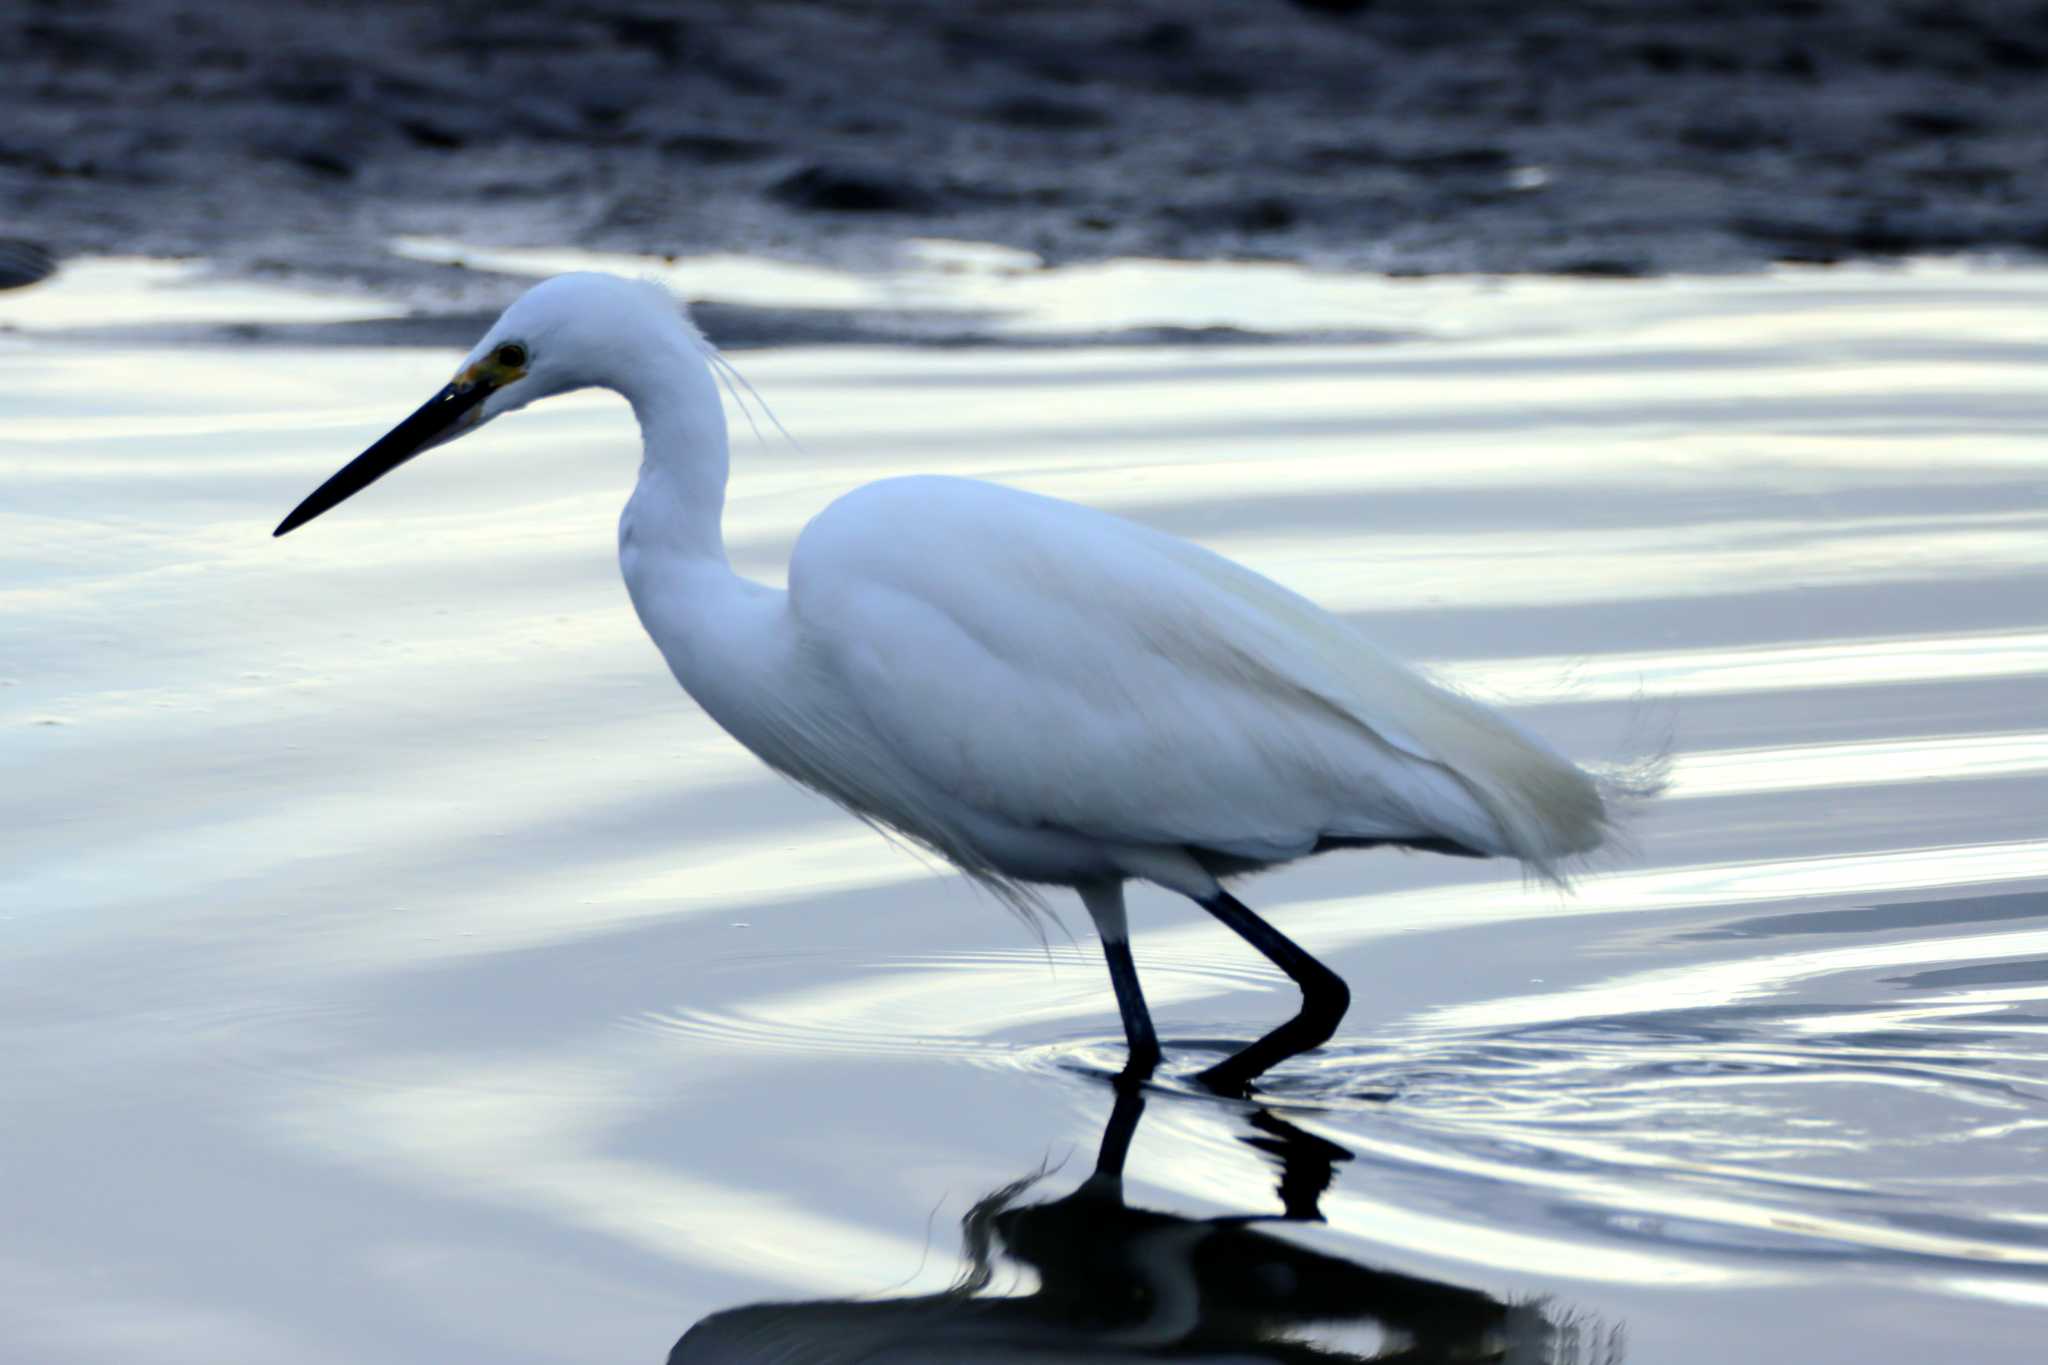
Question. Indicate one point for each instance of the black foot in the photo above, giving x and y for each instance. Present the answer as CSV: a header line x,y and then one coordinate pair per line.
x,y
1324,999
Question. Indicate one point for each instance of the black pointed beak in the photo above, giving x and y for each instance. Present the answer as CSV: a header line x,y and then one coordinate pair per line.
x,y
436,421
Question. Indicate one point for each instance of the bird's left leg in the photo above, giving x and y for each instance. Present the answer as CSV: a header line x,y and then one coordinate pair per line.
x,y
1324,998
1105,902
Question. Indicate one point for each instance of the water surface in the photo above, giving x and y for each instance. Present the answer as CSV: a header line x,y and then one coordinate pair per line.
x,y
398,968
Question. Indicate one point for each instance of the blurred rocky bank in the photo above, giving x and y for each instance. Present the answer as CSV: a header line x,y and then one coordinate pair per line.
x,y
1409,136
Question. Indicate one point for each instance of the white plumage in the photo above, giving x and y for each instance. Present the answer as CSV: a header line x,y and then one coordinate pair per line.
x,y
1040,692
1026,667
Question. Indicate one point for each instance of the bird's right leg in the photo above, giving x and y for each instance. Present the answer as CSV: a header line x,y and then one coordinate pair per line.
x,y
1105,902
1324,999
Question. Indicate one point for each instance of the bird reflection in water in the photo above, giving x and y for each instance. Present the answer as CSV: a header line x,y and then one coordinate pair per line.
x,y
1116,1283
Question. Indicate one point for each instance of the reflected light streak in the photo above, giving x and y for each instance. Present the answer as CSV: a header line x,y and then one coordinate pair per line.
x,y
1580,1259
1759,668
1760,309
1722,983
1724,772
1537,566
1731,883
134,290
2024,1293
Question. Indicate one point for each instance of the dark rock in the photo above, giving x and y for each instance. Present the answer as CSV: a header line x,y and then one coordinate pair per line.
x,y
87,45
23,262
1604,268
1208,82
674,43
850,189
663,35
324,163
1256,214
31,161
2014,53
1736,136
743,79
1461,161
1796,63
1668,57
423,133
1937,17
1038,111
1873,234
1268,213
715,149
1330,155
310,89
1815,255
1936,122
1166,38
1661,56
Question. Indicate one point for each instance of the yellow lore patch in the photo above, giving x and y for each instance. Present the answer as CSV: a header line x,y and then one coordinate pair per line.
x,y
489,371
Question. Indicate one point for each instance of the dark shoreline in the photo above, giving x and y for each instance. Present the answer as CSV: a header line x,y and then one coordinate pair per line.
x,y
1611,140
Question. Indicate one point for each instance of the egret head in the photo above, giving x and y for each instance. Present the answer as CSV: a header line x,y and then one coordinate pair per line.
x,y
568,332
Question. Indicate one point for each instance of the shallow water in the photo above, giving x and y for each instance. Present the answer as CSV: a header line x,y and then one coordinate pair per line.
x,y
397,968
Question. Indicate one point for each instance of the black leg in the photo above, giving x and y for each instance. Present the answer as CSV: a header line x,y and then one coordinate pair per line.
x,y
1324,998
1130,1001
1105,902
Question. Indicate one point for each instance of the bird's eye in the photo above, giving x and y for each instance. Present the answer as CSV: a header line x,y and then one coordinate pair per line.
x,y
511,355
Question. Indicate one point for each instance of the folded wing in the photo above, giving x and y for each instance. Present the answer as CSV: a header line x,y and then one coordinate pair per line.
x,y
1054,666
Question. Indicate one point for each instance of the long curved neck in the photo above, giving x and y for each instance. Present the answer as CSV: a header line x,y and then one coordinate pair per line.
x,y
680,501
719,632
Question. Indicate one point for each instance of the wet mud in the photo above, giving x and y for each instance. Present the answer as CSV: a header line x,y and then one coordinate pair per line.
x,y
1399,136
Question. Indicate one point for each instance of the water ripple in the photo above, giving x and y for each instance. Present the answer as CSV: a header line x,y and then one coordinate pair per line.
x,y
1803,1130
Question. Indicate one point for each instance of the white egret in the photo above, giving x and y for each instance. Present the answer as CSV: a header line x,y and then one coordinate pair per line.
x,y
1041,693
